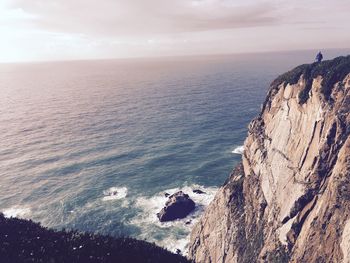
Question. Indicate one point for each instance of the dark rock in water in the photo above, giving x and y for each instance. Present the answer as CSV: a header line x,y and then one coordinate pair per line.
x,y
198,191
178,251
188,222
178,206
166,194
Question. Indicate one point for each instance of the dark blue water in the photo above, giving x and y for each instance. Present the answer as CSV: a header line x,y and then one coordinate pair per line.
x,y
73,133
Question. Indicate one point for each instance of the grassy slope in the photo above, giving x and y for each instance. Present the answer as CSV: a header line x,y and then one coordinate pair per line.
x,y
332,71
26,241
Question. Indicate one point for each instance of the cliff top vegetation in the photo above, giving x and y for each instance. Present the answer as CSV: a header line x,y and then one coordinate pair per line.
x,y
331,71
25,241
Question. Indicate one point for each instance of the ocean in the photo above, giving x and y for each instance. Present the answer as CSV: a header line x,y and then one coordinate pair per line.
x,y
95,145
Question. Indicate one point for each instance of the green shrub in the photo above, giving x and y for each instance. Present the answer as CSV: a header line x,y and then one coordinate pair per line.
x,y
26,241
331,71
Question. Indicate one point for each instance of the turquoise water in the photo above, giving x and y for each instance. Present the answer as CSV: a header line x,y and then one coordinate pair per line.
x,y
72,133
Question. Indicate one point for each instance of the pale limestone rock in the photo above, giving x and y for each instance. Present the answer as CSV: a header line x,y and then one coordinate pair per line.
x,y
289,200
345,243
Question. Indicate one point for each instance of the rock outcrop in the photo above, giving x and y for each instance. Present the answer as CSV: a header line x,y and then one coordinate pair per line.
x,y
289,199
179,205
198,191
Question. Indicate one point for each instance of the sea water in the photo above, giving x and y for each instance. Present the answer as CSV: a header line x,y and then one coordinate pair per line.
x,y
95,145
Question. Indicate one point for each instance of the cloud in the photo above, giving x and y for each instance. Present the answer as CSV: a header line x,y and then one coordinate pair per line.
x,y
127,17
66,29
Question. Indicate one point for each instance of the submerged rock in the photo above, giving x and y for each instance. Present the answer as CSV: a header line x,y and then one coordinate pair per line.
x,y
188,222
198,191
178,206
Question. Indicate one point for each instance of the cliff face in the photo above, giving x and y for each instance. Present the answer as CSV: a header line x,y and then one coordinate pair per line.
x,y
289,199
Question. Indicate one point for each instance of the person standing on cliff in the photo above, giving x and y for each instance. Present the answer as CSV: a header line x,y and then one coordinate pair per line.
x,y
319,57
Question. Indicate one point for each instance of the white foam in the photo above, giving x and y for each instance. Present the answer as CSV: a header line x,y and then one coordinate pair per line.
x,y
239,150
173,244
150,206
115,193
16,211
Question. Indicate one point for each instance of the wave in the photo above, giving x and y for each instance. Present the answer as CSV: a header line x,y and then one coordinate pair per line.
x,y
149,221
174,244
239,150
115,193
16,211
152,205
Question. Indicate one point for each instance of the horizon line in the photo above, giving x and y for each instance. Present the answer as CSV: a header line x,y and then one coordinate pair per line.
x,y
166,56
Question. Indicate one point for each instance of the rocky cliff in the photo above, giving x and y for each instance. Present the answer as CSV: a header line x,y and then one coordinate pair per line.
x,y
289,199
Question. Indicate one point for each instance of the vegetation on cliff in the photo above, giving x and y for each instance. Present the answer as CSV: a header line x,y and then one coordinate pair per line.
x,y
331,71
26,241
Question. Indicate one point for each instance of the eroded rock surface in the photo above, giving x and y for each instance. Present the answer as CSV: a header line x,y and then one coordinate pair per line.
x,y
289,199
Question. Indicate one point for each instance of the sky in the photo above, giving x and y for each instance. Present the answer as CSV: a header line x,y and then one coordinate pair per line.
x,y
41,30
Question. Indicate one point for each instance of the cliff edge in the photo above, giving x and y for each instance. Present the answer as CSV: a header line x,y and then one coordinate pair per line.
x,y
25,241
289,199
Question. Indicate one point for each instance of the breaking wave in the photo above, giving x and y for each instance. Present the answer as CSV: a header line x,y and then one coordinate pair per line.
x,y
115,193
177,232
16,211
239,150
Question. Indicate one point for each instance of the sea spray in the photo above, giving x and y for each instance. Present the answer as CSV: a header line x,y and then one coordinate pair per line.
x,y
239,150
178,231
115,193
16,211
